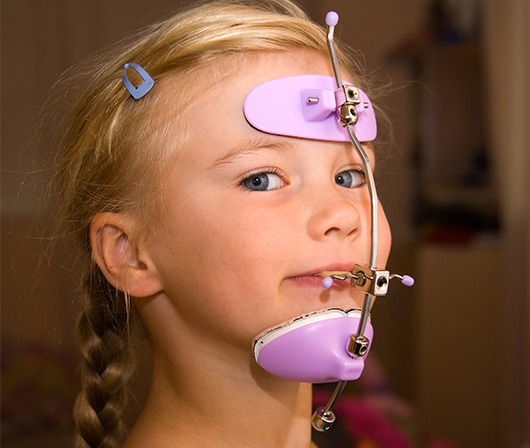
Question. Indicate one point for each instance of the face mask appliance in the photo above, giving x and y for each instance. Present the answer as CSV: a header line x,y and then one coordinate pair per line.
x,y
329,345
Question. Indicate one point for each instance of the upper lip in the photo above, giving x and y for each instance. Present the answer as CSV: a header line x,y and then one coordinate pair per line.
x,y
341,267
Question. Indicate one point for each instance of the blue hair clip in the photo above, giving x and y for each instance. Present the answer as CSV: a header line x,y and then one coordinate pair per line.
x,y
145,86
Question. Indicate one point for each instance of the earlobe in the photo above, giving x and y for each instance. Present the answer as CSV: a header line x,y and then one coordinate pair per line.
x,y
121,256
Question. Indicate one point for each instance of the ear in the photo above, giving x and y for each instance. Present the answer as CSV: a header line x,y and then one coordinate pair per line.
x,y
122,256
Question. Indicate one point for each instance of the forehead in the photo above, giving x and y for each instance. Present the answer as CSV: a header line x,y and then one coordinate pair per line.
x,y
208,102
232,81
235,75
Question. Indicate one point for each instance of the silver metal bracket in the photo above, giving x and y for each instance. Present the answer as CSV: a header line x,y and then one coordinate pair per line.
x,y
371,281
322,419
348,97
358,346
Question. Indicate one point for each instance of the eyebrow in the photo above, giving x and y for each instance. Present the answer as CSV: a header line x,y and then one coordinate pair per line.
x,y
252,145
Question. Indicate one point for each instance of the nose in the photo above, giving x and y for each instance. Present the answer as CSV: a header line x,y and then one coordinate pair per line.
x,y
334,214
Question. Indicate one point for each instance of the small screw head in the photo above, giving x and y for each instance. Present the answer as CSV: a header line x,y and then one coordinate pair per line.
x,y
381,282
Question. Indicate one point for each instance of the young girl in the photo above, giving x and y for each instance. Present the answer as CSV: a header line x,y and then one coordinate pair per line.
x,y
209,227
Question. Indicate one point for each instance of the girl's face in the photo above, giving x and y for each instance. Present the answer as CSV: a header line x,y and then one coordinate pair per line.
x,y
248,218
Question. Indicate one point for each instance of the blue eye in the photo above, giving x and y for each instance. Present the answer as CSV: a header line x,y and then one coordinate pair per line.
x,y
262,182
350,179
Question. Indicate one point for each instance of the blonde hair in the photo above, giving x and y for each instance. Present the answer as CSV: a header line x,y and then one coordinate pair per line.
x,y
108,160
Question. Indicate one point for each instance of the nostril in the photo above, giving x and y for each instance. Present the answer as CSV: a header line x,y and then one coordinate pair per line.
x,y
331,230
337,230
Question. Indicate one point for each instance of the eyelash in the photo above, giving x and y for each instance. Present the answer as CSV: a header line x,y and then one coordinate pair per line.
x,y
358,171
256,173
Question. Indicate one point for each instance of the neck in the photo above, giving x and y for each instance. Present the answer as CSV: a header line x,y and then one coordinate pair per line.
x,y
222,406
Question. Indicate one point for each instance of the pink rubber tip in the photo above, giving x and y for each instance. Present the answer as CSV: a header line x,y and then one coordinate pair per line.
x,y
332,18
327,282
407,280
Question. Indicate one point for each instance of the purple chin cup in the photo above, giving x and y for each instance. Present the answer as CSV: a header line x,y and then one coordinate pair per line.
x,y
312,348
307,106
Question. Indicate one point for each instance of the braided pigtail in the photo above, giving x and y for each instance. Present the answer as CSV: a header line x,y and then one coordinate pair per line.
x,y
102,332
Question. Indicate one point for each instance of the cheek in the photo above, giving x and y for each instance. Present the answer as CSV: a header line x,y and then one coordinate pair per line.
x,y
385,239
207,249
220,271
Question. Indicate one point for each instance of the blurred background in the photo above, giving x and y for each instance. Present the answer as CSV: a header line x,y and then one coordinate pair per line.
x,y
455,349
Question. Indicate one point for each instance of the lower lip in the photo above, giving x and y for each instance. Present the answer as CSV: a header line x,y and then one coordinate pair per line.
x,y
307,280
315,281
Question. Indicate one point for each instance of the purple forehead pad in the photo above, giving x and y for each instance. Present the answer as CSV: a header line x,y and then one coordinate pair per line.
x,y
306,106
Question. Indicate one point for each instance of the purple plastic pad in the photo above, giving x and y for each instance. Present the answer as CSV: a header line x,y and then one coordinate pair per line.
x,y
306,106
312,348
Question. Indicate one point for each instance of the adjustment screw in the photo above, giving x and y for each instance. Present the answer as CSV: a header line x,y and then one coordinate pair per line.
x,y
381,281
